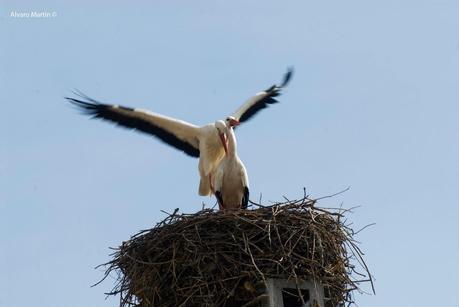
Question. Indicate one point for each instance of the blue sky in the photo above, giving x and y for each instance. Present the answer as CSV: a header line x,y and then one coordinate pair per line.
x,y
373,105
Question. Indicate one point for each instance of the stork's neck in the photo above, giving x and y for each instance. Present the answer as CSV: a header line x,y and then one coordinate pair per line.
x,y
232,145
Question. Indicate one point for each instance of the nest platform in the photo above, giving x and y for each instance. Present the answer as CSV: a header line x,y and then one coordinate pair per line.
x,y
224,258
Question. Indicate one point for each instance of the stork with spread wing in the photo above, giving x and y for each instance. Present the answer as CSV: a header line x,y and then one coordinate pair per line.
x,y
200,142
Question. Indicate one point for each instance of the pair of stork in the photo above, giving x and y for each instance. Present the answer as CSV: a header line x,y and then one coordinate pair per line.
x,y
222,172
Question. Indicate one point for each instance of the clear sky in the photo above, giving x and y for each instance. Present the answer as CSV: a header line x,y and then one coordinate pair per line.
x,y
373,105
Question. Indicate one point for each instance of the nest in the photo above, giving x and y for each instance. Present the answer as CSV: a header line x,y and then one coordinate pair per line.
x,y
223,258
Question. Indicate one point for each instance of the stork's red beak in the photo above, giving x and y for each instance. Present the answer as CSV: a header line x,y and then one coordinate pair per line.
x,y
224,143
233,122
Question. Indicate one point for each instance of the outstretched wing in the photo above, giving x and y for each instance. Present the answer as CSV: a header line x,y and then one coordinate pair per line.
x,y
261,100
177,133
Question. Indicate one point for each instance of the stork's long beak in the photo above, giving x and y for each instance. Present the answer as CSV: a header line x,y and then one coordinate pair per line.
x,y
224,143
234,122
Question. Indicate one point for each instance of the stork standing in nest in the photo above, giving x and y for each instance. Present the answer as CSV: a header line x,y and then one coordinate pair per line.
x,y
230,182
199,142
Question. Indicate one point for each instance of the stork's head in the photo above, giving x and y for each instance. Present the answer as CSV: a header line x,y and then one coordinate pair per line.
x,y
231,121
221,129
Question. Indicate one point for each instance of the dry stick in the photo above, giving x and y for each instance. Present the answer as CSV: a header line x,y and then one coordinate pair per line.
x,y
366,226
253,260
256,300
335,194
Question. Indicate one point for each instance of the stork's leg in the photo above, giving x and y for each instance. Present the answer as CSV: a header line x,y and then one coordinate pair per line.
x,y
211,185
217,194
219,197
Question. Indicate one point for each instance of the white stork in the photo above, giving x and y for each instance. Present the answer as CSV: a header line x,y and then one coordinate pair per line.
x,y
199,142
230,181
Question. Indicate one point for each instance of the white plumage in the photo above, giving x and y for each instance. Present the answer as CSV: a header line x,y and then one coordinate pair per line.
x,y
230,181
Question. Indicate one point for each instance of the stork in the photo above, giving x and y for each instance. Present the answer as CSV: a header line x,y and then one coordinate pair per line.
x,y
199,142
230,181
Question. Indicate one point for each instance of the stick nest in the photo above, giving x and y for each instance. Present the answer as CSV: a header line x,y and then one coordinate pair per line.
x,y
223,258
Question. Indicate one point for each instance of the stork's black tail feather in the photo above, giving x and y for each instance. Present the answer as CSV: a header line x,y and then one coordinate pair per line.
x,y
245,199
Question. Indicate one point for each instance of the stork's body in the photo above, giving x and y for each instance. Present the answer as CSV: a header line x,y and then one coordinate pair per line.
x,y
200,142
211,153
230,180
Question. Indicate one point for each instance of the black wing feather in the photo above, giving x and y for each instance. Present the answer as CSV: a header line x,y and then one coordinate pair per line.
x,y
262,104
268,99
107,112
